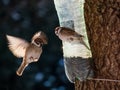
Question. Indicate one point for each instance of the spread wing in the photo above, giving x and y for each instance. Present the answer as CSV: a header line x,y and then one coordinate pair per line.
x,y
17,45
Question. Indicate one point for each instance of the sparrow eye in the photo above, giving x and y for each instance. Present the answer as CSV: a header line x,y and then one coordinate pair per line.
x,y
38,42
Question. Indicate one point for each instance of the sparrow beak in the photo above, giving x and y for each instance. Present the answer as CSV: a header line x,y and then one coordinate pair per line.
x,y
57,30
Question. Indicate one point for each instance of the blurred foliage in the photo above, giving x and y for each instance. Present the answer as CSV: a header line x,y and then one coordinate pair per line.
x,y
22,18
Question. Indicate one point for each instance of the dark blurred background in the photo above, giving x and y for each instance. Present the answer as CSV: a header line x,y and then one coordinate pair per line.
x,y
22,18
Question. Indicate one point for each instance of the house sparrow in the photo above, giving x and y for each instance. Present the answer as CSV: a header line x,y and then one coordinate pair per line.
x,y
69,35
30,52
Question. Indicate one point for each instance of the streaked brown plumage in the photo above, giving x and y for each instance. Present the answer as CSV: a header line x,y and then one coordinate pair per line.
x,y
29,51
69,35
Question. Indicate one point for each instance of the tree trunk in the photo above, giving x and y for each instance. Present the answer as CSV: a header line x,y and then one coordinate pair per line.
x,y
103,27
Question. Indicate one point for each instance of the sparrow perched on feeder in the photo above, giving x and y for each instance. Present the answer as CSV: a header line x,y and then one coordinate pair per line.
x,y
69,35
76,53
30,52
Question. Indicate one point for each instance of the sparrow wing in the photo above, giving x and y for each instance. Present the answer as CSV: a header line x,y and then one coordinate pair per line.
x,y
17,45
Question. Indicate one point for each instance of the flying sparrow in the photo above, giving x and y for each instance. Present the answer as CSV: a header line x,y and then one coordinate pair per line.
x,y
30,52
69,35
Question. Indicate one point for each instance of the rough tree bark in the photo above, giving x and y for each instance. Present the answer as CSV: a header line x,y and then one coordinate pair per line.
x,y
103,27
